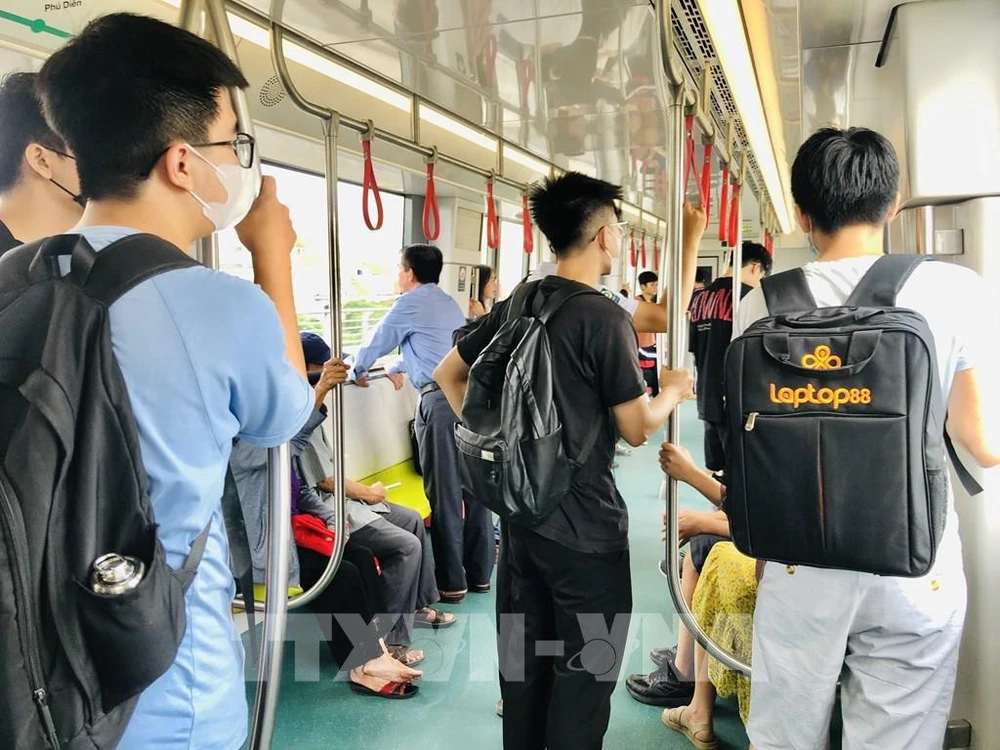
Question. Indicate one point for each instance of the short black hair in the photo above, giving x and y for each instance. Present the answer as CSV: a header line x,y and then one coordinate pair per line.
x,y
647,277
754,252
564,207
21,124
845,177
426,262
703,275
127,88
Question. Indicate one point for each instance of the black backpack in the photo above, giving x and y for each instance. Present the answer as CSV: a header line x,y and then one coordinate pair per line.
x,y
836,455
510,438
72,488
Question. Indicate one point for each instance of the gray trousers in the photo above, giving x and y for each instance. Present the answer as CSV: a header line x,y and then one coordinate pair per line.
x,y
461,528
397,539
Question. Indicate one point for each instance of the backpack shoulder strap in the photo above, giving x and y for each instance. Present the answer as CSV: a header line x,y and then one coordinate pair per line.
x,y
879,287
545,307
787,292
125,264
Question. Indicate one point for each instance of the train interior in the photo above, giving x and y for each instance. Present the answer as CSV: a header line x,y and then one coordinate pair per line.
x,y
499,94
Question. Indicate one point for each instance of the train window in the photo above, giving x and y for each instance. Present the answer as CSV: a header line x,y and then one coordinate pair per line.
x,y
368,259
511,260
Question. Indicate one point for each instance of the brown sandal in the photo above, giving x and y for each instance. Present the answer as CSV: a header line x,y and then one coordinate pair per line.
x,y
674,718
428,617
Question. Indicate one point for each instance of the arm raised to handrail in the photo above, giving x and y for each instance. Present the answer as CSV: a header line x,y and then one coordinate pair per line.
x,y
676,328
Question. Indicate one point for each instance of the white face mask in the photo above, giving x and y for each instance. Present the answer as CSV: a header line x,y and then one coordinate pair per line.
x,y
241,189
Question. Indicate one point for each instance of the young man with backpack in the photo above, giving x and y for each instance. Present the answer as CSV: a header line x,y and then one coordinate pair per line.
x,y
39,187
567,559
832,397
189,359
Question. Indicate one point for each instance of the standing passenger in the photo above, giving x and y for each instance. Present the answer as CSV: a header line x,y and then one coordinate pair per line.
x,y
38,182
421,324
711,316
892,642
648,281
568,578
206,357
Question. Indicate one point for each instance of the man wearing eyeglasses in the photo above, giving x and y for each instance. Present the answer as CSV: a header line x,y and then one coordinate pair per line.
x,y
206,357
38,182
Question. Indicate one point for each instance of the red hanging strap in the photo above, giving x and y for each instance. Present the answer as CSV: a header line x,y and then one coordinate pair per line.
x,y
369,185
724,207
734,216
432,214
490,59
529,234
642,250
492,224
706,181
631,247
656,253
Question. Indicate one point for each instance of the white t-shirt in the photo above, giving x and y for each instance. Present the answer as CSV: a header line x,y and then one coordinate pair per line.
x,y
951,298
628,304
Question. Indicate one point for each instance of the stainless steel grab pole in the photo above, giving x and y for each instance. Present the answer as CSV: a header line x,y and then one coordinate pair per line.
x,y
675,334
330,126
279,492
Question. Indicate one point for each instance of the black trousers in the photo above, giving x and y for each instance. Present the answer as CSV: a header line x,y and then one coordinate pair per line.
x,y
715,445
353,590
464,547
562,640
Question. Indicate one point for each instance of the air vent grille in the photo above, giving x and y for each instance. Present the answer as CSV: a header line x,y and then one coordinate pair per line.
x,y
272,93
697,52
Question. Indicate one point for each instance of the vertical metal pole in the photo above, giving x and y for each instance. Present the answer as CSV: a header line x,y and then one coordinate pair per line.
x,y
279,484
675,334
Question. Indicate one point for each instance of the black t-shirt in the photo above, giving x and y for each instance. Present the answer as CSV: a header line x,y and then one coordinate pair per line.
x,y
593,352
7,240
711,315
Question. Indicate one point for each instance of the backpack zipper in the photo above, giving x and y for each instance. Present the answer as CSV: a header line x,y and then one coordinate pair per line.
x,y
26,615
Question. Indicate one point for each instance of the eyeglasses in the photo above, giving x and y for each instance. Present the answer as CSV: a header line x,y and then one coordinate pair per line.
x,y
242,145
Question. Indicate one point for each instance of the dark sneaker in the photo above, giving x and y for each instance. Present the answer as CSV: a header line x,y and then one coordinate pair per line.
x,y
660,688
663,656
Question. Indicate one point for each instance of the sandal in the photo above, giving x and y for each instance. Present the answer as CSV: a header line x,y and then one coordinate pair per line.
x,y
391,690
428,617
451,597
480,588
406,655
673,718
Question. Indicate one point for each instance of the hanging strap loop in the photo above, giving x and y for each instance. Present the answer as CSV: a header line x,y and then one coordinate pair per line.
x,y
432,215
492,224
690,168
642,250
656,253
706,181
734,215
529,234
369,185
724,208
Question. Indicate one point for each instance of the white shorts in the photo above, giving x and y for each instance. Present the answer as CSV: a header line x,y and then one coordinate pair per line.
x,y
893,643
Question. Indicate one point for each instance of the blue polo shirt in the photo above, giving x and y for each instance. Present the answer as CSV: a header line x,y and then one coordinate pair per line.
x,y
203,356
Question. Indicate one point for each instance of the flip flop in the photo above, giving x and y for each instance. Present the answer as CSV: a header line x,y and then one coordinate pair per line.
x,y
405,655
434,618
672,717
391,690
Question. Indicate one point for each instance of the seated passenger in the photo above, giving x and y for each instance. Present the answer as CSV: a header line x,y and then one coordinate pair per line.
x,y
394,533
722,599
206,357
486,294
38,182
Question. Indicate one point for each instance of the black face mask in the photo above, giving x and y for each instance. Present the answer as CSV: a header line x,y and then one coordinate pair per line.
x,y
314,377
77,199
